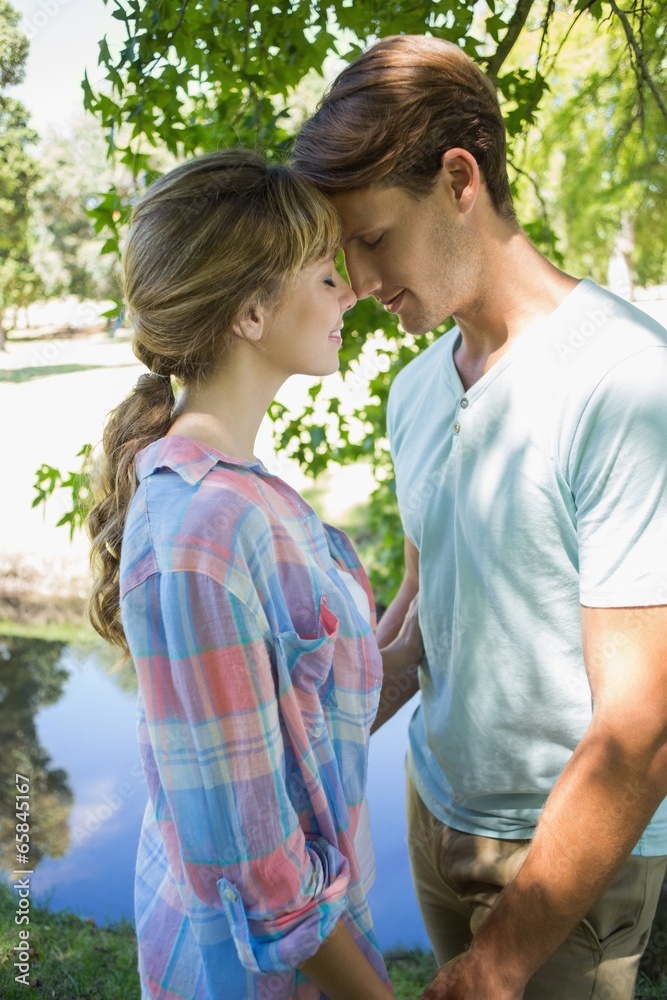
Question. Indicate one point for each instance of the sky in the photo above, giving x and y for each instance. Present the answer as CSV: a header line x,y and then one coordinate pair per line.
x,y
64,36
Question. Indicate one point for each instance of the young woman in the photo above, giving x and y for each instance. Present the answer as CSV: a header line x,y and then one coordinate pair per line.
x,y
250,623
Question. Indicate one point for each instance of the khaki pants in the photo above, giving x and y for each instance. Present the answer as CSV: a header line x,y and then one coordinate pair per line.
x,y
458,877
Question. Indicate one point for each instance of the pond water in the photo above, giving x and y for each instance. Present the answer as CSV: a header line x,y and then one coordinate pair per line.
x,y
70,727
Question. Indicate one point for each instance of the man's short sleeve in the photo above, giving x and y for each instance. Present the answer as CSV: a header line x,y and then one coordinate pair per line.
x,y
618,478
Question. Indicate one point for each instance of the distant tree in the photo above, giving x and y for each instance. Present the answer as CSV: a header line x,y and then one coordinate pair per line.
x,y
594,164
32,677
18,172
67,251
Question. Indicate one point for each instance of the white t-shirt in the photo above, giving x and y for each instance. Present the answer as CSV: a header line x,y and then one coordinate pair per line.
x,y
363,843
540,488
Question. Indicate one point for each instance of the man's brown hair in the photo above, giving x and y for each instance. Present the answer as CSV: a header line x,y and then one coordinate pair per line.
x,y
392,113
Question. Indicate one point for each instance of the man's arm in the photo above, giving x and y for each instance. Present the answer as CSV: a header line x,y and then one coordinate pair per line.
x,y
605,797
399,684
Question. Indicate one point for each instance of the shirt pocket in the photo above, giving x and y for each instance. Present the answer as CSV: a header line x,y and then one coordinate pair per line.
x,y
306,667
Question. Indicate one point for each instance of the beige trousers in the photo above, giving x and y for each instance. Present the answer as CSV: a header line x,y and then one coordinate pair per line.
x,y
458,877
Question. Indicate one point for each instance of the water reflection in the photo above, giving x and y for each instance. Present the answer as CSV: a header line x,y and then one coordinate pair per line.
x,y
31,677
72,725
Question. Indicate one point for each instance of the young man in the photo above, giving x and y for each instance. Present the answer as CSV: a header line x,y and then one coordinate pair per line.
x,y
529,448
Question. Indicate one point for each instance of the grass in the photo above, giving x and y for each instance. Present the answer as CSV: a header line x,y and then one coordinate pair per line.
x,y
69,957
18,375
647,990
73,958
410,972
70,632
652,981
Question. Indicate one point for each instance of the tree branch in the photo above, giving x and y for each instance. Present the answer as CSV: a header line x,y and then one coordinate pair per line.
x,y
536,189
639,57
170,38
554,60
551,7
514,28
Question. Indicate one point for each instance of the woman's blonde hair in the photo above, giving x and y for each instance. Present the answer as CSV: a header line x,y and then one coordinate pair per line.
x,y
207,241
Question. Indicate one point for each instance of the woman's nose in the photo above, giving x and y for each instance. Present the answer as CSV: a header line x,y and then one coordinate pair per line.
x,y
348,297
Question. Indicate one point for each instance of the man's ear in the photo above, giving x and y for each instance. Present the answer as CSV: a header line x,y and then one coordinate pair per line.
x,y
461,177
250,326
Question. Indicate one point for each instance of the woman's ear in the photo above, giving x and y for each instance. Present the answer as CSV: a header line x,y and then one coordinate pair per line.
x,y
250,326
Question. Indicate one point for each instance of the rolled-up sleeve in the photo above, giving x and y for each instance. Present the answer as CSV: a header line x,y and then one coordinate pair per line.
x,y
212,704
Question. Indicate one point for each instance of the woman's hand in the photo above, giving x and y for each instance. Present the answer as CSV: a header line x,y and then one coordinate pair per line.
x,y
341,971
401,646
407,649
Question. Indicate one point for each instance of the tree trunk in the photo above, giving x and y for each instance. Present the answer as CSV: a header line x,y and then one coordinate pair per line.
x,y
619,274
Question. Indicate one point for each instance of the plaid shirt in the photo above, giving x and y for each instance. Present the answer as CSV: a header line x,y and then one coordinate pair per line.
x,y
258,682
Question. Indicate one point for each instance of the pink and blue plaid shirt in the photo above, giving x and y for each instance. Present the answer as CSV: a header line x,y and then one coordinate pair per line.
x,y
258,682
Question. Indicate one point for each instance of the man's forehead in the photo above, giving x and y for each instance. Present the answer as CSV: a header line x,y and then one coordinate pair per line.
x,y
362,211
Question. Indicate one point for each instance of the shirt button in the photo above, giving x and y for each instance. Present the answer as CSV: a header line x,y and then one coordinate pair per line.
x,y
464,403
230,895
457,427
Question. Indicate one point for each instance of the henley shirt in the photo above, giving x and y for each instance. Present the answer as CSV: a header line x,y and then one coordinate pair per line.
x,y
541,487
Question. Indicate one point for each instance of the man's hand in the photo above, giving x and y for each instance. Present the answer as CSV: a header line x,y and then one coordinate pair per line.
x,y
462,979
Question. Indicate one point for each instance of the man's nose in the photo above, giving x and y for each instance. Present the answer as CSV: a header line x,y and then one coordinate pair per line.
x,y
363,279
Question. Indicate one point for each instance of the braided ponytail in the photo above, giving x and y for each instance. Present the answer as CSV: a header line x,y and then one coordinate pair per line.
x,y
143,417
207,241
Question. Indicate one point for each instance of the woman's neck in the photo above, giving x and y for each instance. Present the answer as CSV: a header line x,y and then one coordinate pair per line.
x,y
227,409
